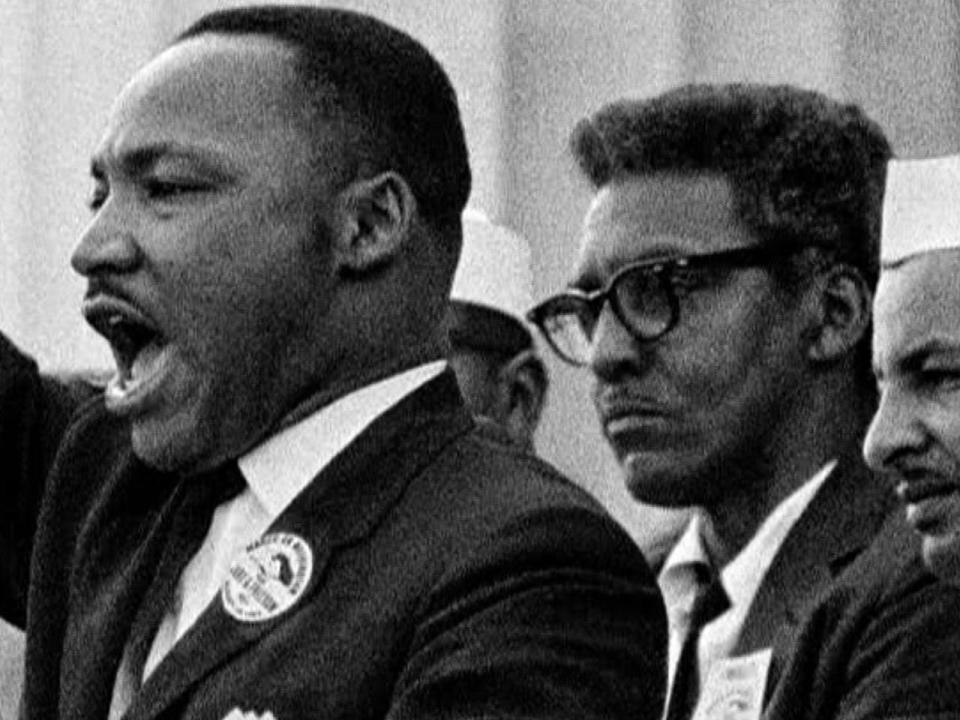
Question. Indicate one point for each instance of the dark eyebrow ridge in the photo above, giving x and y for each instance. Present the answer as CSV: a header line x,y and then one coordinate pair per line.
x,y
915,356
140,160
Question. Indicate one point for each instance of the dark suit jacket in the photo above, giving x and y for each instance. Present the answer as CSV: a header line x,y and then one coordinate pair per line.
x,y
840,522
884,642
34,412
858,628
453,577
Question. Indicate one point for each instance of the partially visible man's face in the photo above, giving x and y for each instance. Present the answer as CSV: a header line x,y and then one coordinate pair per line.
x,y
915,434
686,411
501,389
207,268
476,378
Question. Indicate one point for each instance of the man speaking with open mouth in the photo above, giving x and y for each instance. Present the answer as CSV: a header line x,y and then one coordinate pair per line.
x,y
282,508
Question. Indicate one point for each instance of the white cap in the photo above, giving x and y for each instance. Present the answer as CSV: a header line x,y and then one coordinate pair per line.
x,y
494,269
921,207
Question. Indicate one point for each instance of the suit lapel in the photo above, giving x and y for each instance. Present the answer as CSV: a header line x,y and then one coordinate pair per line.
x,y
841,520
343,504
117,552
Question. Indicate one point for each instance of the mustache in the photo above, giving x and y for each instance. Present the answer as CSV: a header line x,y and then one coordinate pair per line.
x,y
612,402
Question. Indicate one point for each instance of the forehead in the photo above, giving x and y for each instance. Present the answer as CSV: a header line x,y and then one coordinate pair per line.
x,y
662,215
217,92
915,306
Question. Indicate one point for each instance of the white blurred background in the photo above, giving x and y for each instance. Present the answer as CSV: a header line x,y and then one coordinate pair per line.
x,y
525,71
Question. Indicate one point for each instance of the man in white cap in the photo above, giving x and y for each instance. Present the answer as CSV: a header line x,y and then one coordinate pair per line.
x,y
492,351
915,434
915,437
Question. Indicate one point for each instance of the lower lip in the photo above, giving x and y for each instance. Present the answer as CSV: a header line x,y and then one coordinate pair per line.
x,y
637,432
634,423
128,396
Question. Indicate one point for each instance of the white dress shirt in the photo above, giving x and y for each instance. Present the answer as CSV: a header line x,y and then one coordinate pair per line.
x,y
741,578
276,471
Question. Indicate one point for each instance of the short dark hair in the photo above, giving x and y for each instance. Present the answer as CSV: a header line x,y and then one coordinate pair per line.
x,y
805,170
393,93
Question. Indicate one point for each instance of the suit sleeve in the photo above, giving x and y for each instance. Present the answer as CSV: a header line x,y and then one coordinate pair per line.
x,y
34,411
556,617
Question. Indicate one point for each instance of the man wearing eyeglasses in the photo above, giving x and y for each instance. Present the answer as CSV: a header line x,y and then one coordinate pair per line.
x,y
721,299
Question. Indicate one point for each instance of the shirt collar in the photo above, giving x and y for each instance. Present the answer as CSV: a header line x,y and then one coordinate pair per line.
x,y
742,576
677,578
285,463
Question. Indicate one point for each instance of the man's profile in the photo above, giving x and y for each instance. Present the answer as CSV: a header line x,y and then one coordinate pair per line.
x,y
276,221
721,300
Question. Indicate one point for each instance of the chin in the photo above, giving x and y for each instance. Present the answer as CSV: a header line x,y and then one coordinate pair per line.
x,y
942,556
166,448
654,479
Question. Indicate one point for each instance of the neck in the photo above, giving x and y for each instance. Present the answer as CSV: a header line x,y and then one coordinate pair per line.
x,y
398,362
827,423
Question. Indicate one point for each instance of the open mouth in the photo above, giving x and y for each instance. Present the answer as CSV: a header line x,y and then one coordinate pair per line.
x,y
137,344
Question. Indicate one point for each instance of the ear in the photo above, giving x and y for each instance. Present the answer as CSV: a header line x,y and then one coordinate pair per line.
x,y
377,214
842,313
522,395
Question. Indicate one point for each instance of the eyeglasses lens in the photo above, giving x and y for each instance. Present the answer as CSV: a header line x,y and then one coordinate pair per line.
x,y
569,331
643,303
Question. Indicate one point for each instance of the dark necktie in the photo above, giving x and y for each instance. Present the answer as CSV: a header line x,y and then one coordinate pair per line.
x,y
195,500
710,601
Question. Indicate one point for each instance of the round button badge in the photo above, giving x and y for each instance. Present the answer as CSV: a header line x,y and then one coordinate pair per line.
x,y
268,578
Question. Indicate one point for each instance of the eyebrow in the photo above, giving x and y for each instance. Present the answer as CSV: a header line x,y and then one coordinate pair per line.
x,y
593,272
936,344
140,160
913,358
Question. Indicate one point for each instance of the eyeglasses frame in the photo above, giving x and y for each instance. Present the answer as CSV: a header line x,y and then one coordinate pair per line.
x,y
662,269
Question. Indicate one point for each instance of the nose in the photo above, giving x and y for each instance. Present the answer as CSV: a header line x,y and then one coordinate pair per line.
x,y
106,246
897,427
613,349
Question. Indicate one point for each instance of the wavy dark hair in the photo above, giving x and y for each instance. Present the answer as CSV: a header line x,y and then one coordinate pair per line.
x,y
805,170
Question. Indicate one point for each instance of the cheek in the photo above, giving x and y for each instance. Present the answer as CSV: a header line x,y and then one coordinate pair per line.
x,y
945,427
240,284
704,364
731,378
942,556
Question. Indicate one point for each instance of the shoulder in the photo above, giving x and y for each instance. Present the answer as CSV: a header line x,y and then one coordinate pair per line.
x,y
489,483
543,599
882,642
889,569
499,516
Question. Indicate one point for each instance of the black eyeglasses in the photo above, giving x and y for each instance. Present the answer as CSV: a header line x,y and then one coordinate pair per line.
x,y
642,295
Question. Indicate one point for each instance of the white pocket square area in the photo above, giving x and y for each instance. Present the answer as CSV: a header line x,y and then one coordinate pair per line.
x,y
238,714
